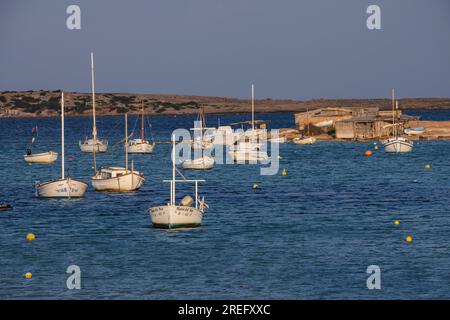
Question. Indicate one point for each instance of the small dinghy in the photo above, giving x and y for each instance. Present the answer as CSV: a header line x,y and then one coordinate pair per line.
x,y
414,131
5,206
305,140
43,157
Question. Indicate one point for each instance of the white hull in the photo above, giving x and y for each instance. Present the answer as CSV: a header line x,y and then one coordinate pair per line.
x,y
254,155
125,183
44,157
324,124
397,145
170,217
309,140
203,163
61,188
88,146
141,147
412,132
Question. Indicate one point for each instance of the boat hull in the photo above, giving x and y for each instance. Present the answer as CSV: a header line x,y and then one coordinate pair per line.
x,y
397,146
44,157
143,147
89,146
125,183
249,156
171,217
61,188
304,141
204,163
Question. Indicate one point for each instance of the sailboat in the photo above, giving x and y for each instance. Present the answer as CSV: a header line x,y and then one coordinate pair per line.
x,y
94,144
141,145
41,157
63,187
247,148
187,213
396,144
308,139
200,143
118,179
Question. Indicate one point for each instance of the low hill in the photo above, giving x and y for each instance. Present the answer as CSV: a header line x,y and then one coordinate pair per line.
x,y
46,103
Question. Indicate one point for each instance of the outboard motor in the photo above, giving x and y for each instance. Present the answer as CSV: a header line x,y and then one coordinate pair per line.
x,y
187,201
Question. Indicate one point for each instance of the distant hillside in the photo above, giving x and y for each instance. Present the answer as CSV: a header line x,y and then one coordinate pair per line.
x,y
46,103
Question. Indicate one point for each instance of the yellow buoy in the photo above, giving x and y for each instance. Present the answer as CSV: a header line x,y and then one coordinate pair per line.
x,y
31,237
284,172
28,275
375,147
255,186
408,239
427,166
396,222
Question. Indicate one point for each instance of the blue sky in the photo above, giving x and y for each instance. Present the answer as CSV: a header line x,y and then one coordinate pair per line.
x,y
289,48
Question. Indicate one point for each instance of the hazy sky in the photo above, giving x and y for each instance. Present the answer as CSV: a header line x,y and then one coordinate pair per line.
x,y
298,49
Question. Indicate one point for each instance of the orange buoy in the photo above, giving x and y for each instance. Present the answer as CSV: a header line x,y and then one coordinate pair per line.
x,y
368,153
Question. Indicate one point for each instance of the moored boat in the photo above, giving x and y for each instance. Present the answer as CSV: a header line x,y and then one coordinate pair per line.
x,y
118,179
43,157
414,131
305,140
93,144
141,145
187,214
62,187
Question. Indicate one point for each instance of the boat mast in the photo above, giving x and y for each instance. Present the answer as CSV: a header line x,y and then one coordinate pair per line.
x,y
396,116
253,107
393,112
126,142
62,135
307,116
94,126
172,194
142,123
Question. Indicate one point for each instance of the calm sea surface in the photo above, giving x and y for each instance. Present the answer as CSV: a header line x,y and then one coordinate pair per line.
x,y
308,235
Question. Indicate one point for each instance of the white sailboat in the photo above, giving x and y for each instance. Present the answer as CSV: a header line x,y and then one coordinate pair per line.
x,y
141,145
396,144
247,148
200,143
94,144
187,213
63,187
118,179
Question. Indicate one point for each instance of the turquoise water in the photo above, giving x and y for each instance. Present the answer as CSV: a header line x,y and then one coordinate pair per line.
x,y
308,235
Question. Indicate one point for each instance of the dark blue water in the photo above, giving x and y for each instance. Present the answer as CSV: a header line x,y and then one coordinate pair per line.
x,y
308,235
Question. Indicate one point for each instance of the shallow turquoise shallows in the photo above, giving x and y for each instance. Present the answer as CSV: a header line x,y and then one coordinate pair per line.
x,y
308,235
